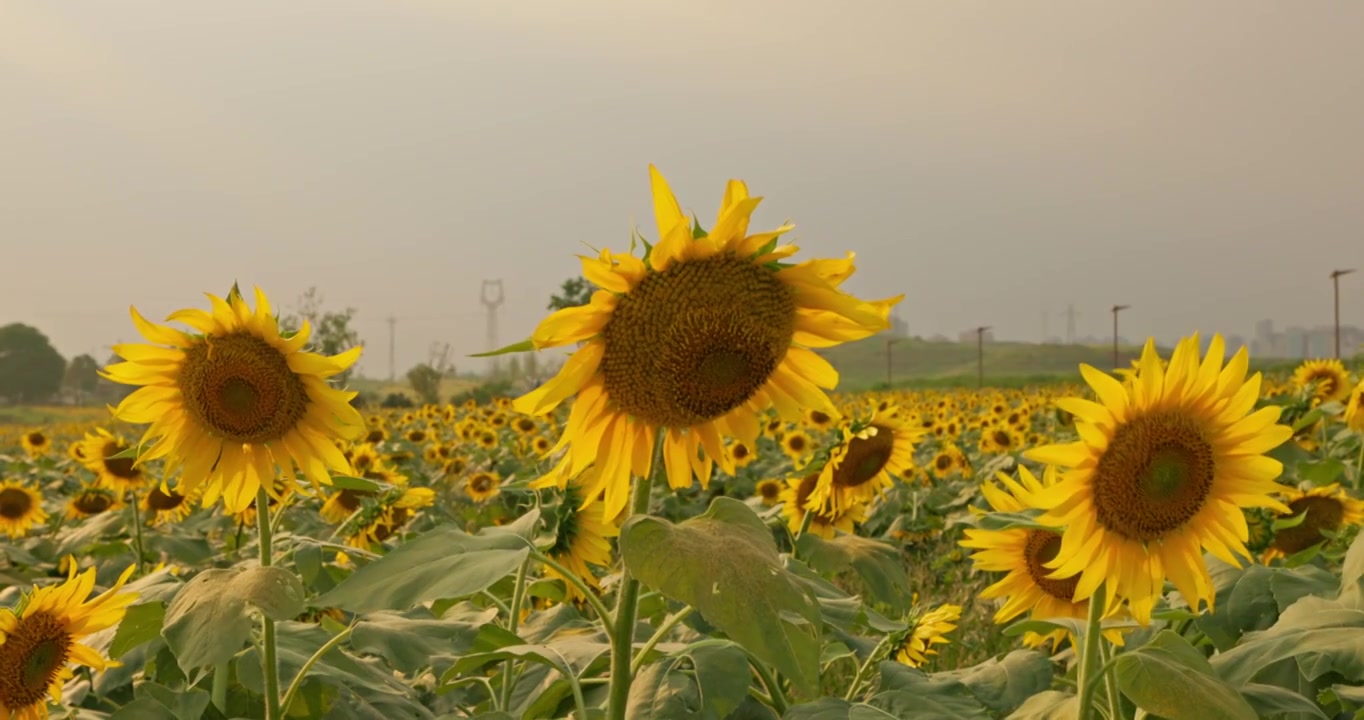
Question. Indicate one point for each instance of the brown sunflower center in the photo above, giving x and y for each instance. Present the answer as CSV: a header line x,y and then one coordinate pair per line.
x,y
697,340
819,418
416,436
349,500
769,490
1040,549
37,439
14,503
374,436
795,443
120,467
1155,475
866,457
92,503
30,659
241,388
943,462
1002,439
158,501
1323,513
482,483
740,451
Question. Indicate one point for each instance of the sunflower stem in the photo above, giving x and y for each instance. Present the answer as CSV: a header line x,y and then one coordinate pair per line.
x,y
220,682
658,635
137,529
1091,655
513,622
327,647
855,686
1109,653
269,664
627,601
588,594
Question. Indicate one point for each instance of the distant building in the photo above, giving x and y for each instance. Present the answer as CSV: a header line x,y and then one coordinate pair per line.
x,y
1297,342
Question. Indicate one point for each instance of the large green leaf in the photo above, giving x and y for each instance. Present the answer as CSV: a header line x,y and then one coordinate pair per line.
x,y
208,621
707,682
905,705
725,564
141,623
1322,635
1048,705
418,640
1170,678
878,564
1004,684
1352,575
443,563
1272,701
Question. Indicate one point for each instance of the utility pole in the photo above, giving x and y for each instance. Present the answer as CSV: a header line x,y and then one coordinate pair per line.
x,y
1116,309
392,365
980,355
1335,283
889,378
491,301
1070,324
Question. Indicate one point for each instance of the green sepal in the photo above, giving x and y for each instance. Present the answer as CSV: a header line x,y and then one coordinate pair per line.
x,y
523,346
697,232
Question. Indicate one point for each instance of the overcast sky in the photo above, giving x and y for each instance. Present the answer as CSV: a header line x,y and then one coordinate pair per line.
x,y
994,161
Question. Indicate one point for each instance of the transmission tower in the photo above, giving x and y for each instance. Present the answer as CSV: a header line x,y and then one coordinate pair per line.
x,y
492,296
392,331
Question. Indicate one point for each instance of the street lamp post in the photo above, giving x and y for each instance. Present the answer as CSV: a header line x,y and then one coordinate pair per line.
x,y
1335,283
1116,309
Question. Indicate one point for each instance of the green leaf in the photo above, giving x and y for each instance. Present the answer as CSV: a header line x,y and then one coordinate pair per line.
x,y
878,564
725,564
141,623
1002,685
1322,635
1352,575
183,704
346,482
144,708
697,232
826,708
443,563
1272,700
939,695
523,346
1170,678
412,644
1048,705
905,705
660,692
208,621
1321,472
723,677
1309,418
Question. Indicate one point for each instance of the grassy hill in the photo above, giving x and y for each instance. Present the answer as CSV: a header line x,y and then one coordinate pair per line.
x,y
449,387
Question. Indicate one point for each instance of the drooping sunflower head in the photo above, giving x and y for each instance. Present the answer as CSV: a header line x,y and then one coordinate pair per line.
x,y
91,500
21,509
1327,380
1326,509
104,455
795,499
385,518
929,629
1160,474
35,443
582,536
698,337
863,465
41,639
1354,408
236,402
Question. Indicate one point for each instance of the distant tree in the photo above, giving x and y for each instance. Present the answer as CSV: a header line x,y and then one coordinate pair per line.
x,y
532,366
331,331
108,392
31,370
82,377
396,400
574,292
514,368
425,381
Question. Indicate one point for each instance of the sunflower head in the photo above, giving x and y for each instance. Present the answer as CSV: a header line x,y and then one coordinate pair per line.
x,y
1354,408
581,536
91,500
483,486
107,455
35,443
236,403
1327,509
1325,380
21,509
770,491
862,466
929,629
1160,474
795,499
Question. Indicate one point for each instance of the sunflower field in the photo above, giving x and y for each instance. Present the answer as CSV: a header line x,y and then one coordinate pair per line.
x,y
687,521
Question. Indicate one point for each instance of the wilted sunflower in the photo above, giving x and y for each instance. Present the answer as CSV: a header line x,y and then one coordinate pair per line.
x,y
1160,474
1022,554
929,629
35,443
92,500
41,637
233,404
21,508
696,339
1328,380
1328,508
862,466
1354,409
164,506
101,451
581,537
796,498
483,486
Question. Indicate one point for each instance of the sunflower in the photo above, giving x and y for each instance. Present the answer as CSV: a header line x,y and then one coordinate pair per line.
x,y
796,444
1327,380
795,498
417,436
101,451
1354,410
1000,439
21,508
541,445
91,500
341,504
692,343
364,458
819,419
483,486
76,451
375,435
164,506
42,636
525,426
1326,509
581,537
929,629
233,404
1022,553
35,443
862,466
770,492
947,461
1160,474
385,519
487,440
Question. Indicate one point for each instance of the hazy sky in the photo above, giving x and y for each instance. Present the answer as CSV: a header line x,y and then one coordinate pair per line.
x,y
1203,162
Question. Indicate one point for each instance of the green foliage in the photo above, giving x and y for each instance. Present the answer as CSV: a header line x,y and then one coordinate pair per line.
x,y
425,381
82,377
209,620
1170,678
484,393
332,332
572,293
31,370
